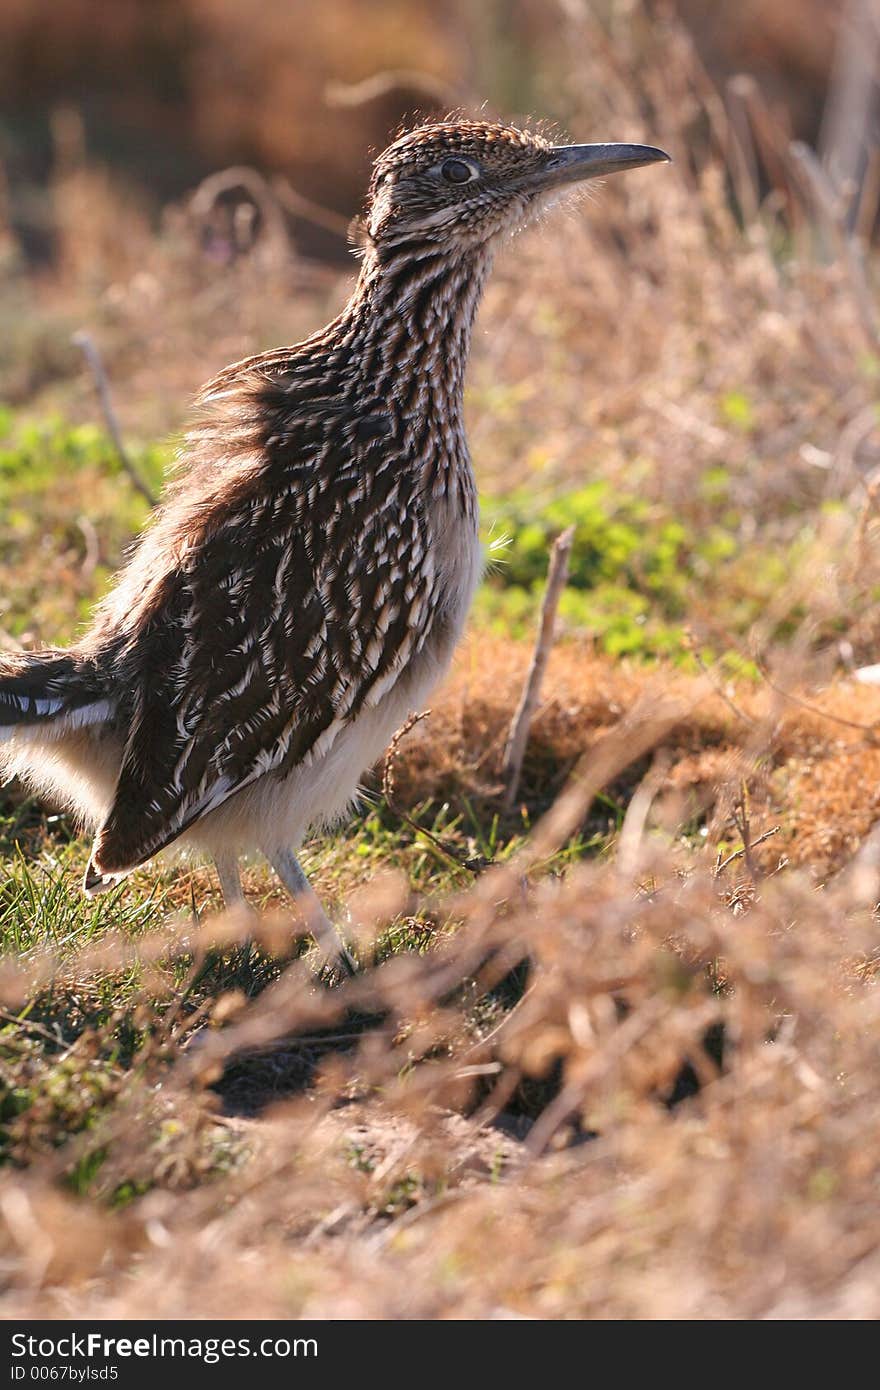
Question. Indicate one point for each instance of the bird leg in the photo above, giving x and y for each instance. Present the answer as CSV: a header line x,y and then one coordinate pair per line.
x,y
287,867
230,879
234,898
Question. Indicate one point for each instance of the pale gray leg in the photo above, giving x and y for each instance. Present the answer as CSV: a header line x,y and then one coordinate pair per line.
x,y
287,867
230,879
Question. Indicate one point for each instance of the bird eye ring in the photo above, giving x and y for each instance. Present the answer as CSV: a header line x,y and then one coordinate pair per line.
x,y
459,171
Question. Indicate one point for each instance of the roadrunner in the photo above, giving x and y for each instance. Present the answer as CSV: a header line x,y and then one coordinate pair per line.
x,y
308,576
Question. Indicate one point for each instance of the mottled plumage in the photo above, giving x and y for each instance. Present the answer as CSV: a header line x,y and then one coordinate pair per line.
x,y
308,576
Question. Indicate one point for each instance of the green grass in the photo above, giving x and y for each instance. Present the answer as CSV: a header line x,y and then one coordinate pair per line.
x,y
68,514
641,577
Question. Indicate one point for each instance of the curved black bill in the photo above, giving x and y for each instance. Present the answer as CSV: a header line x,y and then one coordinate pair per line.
x,y
570,163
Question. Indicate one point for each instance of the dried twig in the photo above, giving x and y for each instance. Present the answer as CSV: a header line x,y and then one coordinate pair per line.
x,y
869,198
871,731
629,841
742,158
721,864
93,547
93,357
298,205
519,729
742,821
851,106
474,862
391,756
31,1026
625,1037
869,506
432,92
827,204
690,643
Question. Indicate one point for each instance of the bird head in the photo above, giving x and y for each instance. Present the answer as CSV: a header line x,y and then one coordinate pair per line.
x,y
461,184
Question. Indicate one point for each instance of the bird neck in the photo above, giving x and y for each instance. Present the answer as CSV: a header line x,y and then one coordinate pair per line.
x,y
411,316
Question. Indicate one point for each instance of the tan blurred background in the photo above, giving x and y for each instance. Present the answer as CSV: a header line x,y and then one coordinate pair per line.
x,y
169,90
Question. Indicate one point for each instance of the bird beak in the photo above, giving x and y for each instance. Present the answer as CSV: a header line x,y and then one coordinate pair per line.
x,y
574,163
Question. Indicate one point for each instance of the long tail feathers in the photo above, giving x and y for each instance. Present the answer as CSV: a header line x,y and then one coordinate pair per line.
x,y
37,687
56,691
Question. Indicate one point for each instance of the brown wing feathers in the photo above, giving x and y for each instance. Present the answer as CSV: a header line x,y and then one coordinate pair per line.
x,y
287,616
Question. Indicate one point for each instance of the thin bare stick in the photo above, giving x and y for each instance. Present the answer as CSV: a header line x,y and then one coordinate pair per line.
x,y
721,864
871,731
827,204
690,642
391,755
475,863
851,105
869,199
93,357
517,738
6,1016
298,205
629,841
742,156
432,92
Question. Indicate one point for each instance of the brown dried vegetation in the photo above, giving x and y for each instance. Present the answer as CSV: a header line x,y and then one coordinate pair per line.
x,y
628,1067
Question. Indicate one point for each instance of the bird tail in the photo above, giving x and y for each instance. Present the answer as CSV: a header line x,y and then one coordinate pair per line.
x,y
56,689
48,700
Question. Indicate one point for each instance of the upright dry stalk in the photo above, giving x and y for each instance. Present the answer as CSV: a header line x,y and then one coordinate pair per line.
x,y
519,730
93,357
831,212
848,124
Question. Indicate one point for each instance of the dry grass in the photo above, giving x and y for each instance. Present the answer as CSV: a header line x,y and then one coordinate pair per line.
x,y
627,1067
675,1118
813,768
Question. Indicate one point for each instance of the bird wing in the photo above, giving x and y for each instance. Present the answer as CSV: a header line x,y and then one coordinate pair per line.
x,y
299,605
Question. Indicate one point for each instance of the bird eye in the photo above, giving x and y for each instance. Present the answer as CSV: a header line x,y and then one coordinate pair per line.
x,y
458,171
